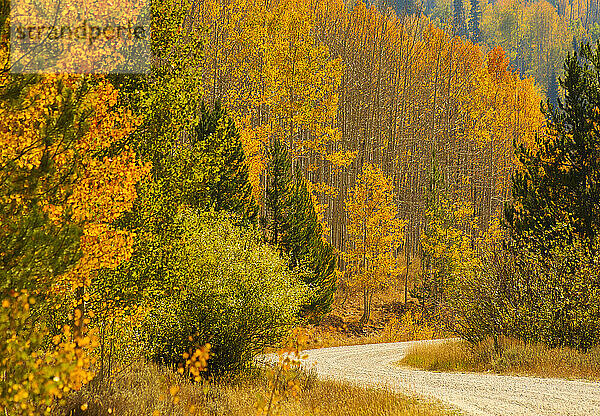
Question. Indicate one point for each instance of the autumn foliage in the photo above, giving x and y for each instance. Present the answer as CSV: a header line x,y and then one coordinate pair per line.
x,y
194,215
376,234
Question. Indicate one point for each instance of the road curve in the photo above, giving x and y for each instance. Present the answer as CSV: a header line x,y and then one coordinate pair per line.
x,y
471,393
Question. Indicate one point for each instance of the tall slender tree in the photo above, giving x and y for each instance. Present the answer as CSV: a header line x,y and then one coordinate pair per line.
x,y
459,21
475,21
375,232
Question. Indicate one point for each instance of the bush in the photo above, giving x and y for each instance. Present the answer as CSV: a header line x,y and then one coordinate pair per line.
x,y
228,289
550,299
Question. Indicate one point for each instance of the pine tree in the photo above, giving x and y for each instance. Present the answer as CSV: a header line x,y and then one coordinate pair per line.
x,y
277,190
460,28
230,188
293,226
302,228
308,250
403,7
552,94
556,194
474,22
429,6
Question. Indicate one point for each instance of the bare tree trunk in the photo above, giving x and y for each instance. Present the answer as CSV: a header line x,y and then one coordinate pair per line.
x,y
367,297
406,277
78,319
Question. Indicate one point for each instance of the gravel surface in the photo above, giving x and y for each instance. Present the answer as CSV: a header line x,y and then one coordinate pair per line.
x,y
471,393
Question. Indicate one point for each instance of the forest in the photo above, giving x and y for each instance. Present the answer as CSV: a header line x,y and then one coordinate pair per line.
x,y
283,169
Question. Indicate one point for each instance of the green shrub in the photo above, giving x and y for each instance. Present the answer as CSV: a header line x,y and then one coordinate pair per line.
x,y
550,299
228,289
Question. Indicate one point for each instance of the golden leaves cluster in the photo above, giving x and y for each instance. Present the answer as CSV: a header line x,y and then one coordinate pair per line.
x,y
195,362
285,377
34,377
375,229
79,188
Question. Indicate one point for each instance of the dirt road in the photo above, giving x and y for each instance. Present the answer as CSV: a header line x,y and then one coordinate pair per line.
x,y
472,394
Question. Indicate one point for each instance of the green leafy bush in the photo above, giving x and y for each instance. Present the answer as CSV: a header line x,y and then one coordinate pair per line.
x,y
228,289
550,299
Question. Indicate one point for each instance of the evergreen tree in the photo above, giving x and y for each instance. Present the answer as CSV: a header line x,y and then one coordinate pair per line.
x,y
474,22
293,226
552,94
301,220
308,251
460,27
403,7
556,194
279,184
429,6
229,189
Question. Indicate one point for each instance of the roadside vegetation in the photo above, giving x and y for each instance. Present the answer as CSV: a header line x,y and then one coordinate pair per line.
x,y
146,390
514,358
391,321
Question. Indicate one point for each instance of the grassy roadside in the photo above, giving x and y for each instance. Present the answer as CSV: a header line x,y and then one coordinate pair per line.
x,y
152,390
515,358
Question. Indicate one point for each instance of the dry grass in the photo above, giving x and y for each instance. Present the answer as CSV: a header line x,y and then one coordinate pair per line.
x,y
147,391
329,398
515,358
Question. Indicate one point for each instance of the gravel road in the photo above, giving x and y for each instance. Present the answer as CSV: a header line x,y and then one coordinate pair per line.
x,y
472,394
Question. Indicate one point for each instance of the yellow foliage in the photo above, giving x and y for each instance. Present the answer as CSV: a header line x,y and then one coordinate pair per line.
x,y
50,146
411,326
284,378
447,244
374,229
34,375
195,362
277,79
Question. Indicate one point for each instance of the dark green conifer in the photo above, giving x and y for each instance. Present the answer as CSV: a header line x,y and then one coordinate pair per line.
x,y
229,188
556,194
474,22
292,224
552,94
460,26
308,250
279,184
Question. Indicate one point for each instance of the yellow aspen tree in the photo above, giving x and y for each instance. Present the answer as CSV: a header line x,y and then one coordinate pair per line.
x,y
265,64
334,82
65,177
375,233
